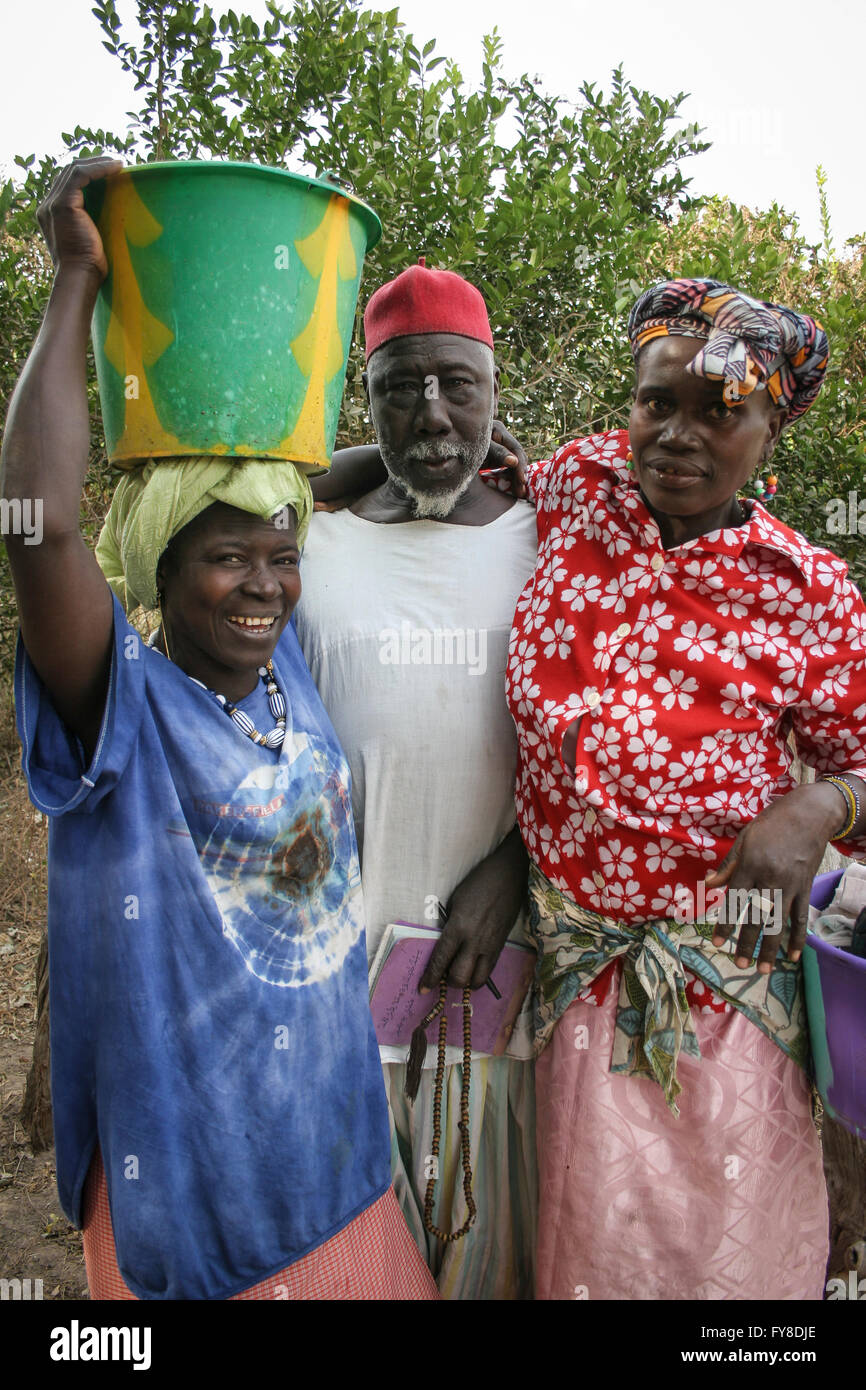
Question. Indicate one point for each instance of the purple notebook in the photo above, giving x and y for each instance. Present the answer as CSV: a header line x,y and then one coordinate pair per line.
x,y
398,1008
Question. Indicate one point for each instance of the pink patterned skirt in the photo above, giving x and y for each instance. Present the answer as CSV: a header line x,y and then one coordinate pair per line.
x,y
727,1202
374,1257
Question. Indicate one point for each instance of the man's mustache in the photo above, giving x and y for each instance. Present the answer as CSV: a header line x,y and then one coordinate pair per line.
x,y
436,451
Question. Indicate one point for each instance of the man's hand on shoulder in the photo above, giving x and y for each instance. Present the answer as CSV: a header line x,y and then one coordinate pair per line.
x,y
506,463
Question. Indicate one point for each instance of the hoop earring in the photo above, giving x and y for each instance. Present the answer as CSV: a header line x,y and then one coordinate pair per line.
x,y
162,626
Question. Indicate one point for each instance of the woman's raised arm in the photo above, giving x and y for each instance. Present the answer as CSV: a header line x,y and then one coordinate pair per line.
x,y
64,603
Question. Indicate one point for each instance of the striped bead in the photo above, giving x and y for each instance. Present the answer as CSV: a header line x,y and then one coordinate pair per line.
x,y
244,722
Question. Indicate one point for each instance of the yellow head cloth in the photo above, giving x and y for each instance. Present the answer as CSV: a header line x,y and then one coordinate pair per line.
x,y
156,501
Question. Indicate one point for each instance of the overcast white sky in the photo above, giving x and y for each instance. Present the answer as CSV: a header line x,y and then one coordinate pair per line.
x,y
779,87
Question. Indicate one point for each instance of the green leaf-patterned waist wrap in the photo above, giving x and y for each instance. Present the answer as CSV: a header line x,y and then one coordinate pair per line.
x,y
653,1023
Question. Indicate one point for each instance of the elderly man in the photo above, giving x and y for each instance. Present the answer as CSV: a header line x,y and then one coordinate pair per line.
x,y
408,598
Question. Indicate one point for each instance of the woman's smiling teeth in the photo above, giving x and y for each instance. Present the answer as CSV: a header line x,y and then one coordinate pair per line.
x,y
255,624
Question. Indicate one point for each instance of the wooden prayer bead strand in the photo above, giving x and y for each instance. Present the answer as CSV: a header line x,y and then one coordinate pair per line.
x,y
463,1125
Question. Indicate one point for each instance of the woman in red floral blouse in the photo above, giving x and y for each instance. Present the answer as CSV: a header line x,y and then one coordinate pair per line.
x,y
671,640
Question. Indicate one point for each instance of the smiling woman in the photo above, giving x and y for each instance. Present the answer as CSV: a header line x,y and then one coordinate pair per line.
x,y
227,586
219,1108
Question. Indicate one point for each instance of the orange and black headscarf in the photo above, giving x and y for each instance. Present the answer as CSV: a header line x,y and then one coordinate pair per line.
x,y
750,345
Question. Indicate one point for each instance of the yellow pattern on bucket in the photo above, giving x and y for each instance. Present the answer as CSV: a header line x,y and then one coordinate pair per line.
x,y
329,256
135,338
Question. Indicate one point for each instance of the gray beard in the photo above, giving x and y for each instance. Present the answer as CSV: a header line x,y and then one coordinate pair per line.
x,y
438,503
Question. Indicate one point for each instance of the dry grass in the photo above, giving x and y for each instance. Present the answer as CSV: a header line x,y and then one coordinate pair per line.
x,y
23,845
36,1240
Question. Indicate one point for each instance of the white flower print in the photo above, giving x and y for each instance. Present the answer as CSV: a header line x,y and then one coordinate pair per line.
x,y
547,844
733,604
791,664
602,642
835,683
636,711
525,692
735,699
780,595
572,838
827,571
655,618
614,857
696,642
662,858
558,638
617,544
522,660
605,445
650,749
581,590
553,575
539,617
762,639
856,632
565,535
690,768
726,768
676,688
619,896
616,593
808,617
604,739
574,705
822,639
702,575
589,890
636,663
549,785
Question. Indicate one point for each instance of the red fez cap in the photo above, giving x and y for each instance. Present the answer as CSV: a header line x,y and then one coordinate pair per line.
x,y
425,301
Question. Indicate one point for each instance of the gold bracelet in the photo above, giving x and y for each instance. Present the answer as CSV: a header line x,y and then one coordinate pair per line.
x,y
853,803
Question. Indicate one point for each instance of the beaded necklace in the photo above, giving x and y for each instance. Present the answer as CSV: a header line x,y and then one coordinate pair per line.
x,y
276,702
277,705
415,1063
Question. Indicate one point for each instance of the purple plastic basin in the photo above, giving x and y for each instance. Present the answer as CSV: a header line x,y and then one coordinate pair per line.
x,y
835,983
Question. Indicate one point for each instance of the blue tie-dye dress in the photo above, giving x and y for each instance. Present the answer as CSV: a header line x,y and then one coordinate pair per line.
x,y
210,1028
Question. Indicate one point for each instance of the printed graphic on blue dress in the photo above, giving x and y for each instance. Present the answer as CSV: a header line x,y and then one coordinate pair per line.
x,y
279,855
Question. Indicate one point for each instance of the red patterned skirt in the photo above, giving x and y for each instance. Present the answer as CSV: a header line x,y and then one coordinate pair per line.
x,y
374,1257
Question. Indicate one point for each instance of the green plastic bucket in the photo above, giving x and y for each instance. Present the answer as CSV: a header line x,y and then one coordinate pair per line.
x,y
225,322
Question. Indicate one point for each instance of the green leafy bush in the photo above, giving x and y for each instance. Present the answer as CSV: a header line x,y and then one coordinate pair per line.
x,y
560,210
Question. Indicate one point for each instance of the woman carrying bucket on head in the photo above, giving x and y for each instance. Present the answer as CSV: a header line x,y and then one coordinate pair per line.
x,y
219,1109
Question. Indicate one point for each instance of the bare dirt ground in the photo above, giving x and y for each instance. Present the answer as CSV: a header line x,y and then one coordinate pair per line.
x,y
36,1240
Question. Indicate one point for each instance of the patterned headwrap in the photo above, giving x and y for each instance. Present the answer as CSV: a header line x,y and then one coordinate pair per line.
x,y
157,500
750,345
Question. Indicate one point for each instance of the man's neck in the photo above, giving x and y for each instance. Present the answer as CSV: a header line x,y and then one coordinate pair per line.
x,y
479,505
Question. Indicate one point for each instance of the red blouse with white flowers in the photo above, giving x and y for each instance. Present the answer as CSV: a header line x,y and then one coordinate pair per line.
x,y
686,669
